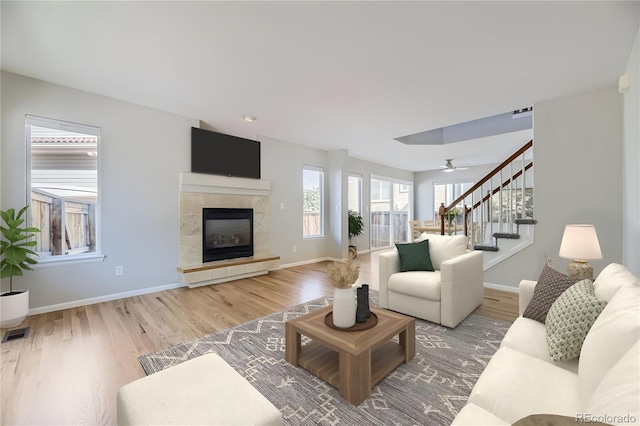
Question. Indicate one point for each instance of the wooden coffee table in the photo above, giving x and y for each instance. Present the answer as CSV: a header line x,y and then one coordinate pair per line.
x,y
352,361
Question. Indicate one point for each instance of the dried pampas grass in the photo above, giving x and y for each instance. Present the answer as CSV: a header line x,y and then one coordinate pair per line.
x,y
343,275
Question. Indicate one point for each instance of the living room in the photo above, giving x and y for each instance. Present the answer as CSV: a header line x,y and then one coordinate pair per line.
x,y
584,139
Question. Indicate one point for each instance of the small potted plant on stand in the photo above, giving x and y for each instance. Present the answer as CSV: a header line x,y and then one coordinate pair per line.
x,y
356,227
15,258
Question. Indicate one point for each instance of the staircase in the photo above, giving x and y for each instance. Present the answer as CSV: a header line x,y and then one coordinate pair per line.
x,y
500,222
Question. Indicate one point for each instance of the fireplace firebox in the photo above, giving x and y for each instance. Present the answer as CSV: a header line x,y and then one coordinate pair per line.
x,y
226,233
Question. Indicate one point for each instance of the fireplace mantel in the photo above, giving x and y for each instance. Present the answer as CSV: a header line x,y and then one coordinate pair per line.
x,y
198,191
215,184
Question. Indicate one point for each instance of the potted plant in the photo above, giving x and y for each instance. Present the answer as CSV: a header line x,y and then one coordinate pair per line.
x,y
342,276
15,257
451,214
356,227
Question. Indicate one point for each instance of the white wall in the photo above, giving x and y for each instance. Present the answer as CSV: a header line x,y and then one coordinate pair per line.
x,y
631,164
338,200
142,152
578,179
282,163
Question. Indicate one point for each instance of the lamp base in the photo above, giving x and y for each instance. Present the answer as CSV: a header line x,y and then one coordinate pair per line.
x,y
580,270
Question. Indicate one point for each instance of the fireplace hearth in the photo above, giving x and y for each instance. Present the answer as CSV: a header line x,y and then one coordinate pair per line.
x,y
226,233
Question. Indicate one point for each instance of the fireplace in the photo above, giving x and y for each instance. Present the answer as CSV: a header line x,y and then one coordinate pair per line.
x,y
226,233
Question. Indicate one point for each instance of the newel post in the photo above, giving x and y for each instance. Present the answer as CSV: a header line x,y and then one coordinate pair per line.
x,y
441,212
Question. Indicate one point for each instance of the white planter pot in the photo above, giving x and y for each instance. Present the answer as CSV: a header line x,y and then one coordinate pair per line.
x,y
344,307
14,309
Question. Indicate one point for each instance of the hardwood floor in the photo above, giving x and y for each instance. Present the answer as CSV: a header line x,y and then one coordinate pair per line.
x,y
70,367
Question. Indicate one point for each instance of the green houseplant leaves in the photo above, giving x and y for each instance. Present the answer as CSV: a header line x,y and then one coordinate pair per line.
x,y
356,224
15,246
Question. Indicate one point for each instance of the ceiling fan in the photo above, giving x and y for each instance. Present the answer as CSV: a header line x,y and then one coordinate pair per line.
x,y
449,167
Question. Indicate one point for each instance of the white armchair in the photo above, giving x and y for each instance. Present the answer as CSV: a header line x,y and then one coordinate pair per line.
x,y
445,296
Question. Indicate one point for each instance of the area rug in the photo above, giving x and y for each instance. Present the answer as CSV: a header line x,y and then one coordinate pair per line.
x,y
429,390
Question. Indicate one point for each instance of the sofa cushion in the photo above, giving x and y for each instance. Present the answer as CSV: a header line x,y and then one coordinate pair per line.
x,y
552,420
445,247
530,337
551,284
472,415
515,385
614,332
202,390
618,394
570,318
613,277
414,256
421,284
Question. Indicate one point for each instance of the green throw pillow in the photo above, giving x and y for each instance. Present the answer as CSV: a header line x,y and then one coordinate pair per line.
x,y
570,318
415,257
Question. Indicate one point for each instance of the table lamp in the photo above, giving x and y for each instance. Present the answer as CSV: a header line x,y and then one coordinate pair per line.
x,y
580,244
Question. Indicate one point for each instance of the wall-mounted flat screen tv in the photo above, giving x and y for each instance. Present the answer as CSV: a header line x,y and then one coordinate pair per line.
x,y
220,154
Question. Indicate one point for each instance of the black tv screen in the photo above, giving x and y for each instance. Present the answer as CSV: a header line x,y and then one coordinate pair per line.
x,y
220,154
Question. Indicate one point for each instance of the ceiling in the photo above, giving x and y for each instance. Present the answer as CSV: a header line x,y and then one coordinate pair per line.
x,y
353,75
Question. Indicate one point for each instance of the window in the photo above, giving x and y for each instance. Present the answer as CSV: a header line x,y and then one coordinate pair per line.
x,y
380,190
391,207
447,192
355,192
63,187
313,201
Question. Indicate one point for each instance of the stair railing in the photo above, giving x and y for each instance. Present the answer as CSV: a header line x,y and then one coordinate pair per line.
x,y
477,208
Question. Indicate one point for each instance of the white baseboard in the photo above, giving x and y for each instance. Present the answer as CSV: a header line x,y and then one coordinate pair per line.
x,y
502,287
100,299
304,262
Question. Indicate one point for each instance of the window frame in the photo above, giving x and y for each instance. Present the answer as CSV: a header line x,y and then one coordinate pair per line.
x,y
73,258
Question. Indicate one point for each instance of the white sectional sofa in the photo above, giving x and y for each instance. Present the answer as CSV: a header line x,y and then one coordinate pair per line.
x,y
603,384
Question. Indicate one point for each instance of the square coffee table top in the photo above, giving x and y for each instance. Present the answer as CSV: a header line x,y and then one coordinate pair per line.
x,y
354,342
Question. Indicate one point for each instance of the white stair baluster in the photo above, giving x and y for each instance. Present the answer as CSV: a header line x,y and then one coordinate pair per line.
x,y
500,203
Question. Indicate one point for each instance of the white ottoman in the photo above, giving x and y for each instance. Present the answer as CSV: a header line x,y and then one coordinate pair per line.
x,y
204,391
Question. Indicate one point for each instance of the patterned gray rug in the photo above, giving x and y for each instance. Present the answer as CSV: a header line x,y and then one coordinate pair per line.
x,y
429,390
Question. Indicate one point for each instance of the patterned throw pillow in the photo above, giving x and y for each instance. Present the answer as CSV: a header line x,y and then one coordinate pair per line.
x,y
551,284
570,319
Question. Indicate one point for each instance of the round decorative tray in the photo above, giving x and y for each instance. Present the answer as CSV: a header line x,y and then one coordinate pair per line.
x,y
359,326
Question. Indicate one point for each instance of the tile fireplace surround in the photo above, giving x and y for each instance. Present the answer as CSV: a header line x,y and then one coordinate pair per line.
x,y
198,191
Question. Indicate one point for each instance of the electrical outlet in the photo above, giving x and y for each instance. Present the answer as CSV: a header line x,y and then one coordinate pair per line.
x,y
295,249
281,206
119,270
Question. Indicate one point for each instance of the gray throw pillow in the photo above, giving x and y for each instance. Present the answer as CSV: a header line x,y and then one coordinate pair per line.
x,y
551,284
570,319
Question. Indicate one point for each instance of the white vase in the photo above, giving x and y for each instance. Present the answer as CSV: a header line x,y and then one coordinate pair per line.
x,y
344,307
14,309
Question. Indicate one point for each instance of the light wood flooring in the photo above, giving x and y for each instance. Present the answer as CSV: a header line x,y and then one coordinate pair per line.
x,y
70,367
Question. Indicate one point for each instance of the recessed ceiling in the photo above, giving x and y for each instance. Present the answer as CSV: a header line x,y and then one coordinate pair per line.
x,y
331,75
499,124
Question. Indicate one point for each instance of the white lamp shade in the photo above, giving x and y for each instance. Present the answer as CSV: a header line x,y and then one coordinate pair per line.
x,y
580,242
